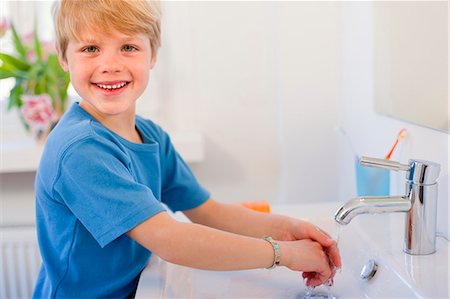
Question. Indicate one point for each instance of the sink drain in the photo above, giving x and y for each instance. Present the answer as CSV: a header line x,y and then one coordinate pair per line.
x,y
369,270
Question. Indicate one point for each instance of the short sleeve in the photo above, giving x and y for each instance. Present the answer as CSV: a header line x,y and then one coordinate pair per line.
x,y
180,188
95,183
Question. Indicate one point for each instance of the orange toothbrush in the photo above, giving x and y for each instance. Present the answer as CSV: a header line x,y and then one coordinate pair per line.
x,y
400,136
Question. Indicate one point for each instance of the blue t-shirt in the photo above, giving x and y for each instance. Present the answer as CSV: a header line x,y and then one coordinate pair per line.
x,y
93,186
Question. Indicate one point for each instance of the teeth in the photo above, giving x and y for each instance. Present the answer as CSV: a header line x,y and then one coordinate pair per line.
x,y
110,87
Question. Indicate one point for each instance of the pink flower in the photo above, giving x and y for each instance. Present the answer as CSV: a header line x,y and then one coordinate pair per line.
x,y
38,111
28,38
4,26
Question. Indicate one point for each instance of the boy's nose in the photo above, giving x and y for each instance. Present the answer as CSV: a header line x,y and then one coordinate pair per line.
x,y
110,64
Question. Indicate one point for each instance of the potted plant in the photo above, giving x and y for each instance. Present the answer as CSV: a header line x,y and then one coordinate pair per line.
x,y
40,89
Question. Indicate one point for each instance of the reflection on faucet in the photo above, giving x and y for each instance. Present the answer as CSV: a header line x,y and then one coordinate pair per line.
x,y
420,203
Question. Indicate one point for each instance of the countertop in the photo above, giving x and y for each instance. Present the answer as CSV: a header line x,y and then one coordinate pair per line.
x,y
378,237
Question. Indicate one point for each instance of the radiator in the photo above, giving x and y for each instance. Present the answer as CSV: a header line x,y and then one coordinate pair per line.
x,y
19,262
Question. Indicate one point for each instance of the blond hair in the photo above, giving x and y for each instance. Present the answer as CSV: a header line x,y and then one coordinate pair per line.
x,y
73,17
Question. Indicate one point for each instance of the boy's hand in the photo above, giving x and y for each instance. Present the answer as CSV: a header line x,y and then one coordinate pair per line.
x,y
309,257
300,230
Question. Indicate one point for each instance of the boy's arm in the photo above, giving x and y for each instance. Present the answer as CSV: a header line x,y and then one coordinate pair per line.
x,y
202,247
240,220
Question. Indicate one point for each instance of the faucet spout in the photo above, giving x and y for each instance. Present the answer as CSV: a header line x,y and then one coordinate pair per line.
x,y
371,205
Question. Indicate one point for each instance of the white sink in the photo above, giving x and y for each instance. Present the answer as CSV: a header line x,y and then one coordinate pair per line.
x,y
164,280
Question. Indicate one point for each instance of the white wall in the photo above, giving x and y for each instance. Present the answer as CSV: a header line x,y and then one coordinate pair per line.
x,y
225,91
260,81
307,44
266,83
373,134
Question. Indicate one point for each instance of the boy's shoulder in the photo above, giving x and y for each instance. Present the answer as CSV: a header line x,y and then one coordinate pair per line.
x,y
72,129
74,125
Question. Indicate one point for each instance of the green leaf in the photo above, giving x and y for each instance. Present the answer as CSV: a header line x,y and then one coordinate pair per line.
x,y
8,68
33,76
15,94
18,45
13,63
41,86
62,78
53,63
37,46
51,76
6,73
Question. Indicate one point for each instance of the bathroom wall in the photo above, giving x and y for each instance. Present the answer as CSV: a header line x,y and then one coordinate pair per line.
x,y
373,134
219,66
266,83
260,80
268,112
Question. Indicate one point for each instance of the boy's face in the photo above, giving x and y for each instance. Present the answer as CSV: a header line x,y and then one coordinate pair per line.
x,y
109,71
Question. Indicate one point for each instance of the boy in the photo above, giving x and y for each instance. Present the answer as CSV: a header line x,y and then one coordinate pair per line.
x,y
105,173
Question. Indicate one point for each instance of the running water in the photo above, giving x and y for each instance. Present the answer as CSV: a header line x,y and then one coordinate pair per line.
x,y
337,237
338,232
311,292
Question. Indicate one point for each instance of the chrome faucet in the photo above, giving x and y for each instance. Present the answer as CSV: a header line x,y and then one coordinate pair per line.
x,y
419,202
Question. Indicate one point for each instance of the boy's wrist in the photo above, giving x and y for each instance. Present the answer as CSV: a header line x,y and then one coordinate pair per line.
x,y
276,252
284,253
285,228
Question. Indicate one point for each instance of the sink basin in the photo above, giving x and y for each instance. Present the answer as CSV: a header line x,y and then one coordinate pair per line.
x,y
164,280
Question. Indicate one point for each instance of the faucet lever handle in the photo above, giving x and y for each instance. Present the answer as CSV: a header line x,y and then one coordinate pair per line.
x,y
382,163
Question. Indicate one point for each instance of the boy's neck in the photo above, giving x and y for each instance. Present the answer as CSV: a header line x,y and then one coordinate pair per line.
x,y
123,125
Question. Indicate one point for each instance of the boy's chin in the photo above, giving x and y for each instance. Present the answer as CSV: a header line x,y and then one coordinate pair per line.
x,y
108,109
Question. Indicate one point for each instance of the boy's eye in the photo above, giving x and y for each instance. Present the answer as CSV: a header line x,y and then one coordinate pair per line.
x,y
129,48
90,49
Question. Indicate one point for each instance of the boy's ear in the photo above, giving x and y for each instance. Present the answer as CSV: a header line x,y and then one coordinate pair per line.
x,y
153,61
62,61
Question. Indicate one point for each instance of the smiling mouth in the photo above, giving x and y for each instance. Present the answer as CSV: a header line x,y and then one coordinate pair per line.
x,y
112,86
